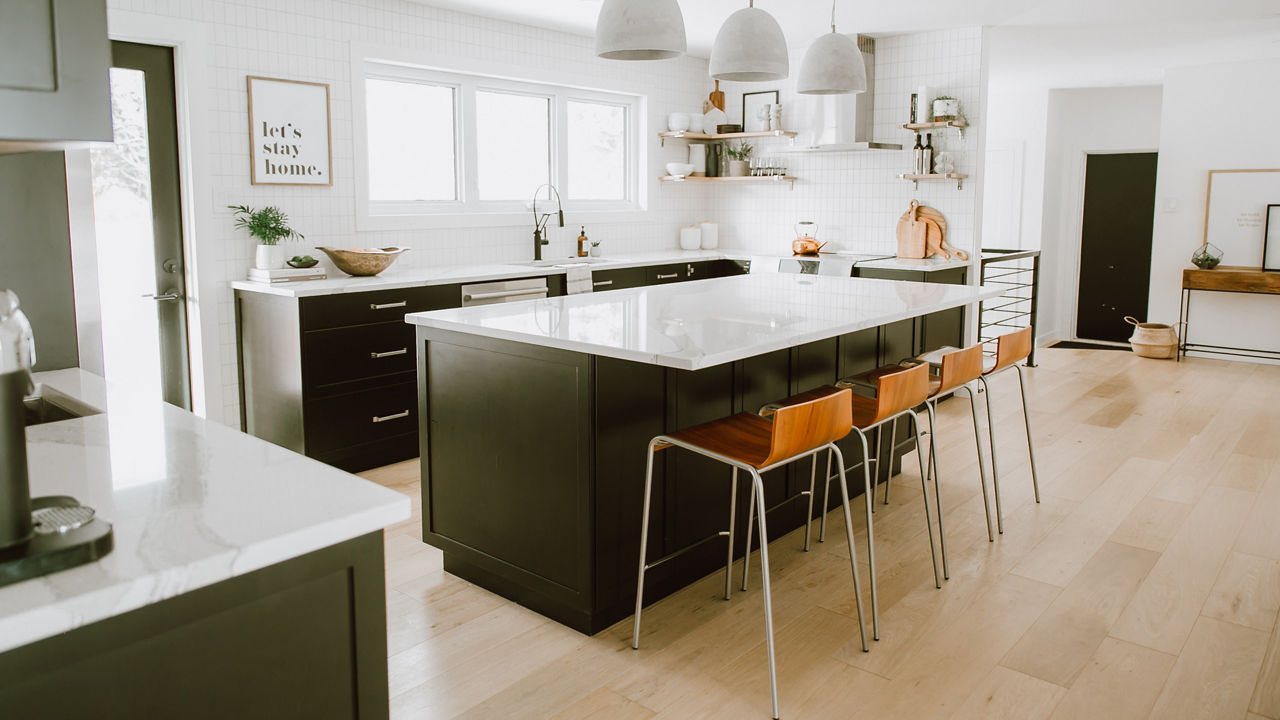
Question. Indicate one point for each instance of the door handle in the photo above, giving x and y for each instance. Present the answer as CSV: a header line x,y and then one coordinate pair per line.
x,y
387,306
389,353
387,418
602,283
669,277
167,296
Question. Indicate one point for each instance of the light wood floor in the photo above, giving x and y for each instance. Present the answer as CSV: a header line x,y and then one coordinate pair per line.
x,y
1146,584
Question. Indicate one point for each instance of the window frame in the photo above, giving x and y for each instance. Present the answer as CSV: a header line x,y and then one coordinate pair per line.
x,y
468,210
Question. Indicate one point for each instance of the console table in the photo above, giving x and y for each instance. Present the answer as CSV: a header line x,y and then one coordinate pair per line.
x,y
1225,279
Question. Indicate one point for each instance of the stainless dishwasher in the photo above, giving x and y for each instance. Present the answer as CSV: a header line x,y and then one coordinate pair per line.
x,y
504,291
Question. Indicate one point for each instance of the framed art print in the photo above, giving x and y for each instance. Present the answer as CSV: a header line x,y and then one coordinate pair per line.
x,y
290,141
753,120
1236,213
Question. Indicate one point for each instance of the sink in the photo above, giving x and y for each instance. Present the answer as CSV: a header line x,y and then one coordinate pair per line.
x,y
568,261
47,405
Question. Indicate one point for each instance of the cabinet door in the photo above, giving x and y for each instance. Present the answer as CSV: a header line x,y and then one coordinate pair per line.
x,y
619,279
342,309
661,274
54,56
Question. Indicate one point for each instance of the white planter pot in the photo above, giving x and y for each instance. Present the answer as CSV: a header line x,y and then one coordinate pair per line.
x,y
739,168
269,257
946,109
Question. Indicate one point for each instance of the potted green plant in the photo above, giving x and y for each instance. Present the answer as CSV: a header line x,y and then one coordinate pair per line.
x,y
739,159
946,107
269,225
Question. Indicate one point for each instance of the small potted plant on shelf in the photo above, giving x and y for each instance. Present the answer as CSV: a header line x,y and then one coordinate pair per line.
x,y
269,225
595,249
739,159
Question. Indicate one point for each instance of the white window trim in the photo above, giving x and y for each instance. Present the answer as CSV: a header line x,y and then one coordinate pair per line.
x,y
470,75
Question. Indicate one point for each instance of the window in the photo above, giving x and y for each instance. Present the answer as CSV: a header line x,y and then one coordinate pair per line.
x,y
450,145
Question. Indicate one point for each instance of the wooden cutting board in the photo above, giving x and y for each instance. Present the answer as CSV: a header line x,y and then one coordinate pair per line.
x,y
907,230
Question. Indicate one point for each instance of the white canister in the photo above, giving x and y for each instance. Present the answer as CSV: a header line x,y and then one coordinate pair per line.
x,y
690,237
710,235
695,123
678,122
698,158
924,96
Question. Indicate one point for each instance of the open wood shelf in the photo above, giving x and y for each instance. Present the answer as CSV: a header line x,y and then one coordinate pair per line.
x,y
747,179
686,135
959,125
915,179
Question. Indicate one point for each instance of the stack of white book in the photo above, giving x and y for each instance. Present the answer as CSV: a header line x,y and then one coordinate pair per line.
x,y
286,274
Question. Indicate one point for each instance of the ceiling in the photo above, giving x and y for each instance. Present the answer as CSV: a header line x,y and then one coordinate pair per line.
x,y
803,20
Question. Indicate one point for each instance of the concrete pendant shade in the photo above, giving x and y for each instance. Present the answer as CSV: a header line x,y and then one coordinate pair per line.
x,y
750,47
640,30
832,66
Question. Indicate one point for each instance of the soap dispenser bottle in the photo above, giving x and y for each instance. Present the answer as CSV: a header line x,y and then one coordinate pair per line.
x,y
583,242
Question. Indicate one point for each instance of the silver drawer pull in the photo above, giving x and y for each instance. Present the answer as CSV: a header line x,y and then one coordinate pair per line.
x,y
527,292
388,418
668,277
387,306
389,353
599,283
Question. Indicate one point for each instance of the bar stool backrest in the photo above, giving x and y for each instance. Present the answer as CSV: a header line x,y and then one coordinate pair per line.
x,y
900,391
960,367
1012,347
804,426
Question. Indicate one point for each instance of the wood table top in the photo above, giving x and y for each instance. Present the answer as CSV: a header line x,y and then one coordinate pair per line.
x,y
1231,278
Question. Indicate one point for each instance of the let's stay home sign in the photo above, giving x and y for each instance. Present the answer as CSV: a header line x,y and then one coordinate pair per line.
x,y
289,132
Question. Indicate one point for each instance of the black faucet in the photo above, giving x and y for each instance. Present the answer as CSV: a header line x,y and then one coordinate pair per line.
x,y
540,221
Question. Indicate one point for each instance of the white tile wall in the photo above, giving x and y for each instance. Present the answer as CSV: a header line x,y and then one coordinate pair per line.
x,y
854,197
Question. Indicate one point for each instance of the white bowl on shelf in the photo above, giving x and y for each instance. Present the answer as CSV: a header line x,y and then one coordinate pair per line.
x,y
679,169
678,122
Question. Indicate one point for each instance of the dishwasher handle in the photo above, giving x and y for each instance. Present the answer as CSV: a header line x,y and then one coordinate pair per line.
x,y
472,297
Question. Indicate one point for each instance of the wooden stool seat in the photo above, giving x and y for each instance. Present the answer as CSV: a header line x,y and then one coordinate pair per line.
x,y
743,437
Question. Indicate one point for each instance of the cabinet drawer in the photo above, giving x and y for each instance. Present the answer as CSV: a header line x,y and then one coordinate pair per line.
x,y
355,353
619,279
659,274
355,418
329,311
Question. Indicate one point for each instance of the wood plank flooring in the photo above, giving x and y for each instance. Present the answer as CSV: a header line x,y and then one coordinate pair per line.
x,y
1146,584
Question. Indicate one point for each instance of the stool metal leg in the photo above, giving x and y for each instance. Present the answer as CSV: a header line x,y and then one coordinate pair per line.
x,y
924,486
808,518
937,491
871,543
995,465
644,541
888,477
746,553
982,467
826,486
1026,418
853,557
728,563
758,492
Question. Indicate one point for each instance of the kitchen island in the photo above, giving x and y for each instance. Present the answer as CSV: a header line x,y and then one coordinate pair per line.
x,y
536,416
246,580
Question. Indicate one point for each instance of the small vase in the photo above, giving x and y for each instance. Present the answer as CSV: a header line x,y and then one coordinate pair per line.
x,y
739,168
596,251
269,257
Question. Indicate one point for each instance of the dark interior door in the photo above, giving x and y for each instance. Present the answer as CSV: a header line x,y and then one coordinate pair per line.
x,y
1115,244
161,131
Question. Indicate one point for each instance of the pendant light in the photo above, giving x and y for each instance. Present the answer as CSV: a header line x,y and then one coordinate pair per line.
x,y
833,65
640,30
750,47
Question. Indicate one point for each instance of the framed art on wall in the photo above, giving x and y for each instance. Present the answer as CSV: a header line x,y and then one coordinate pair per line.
x,y
1271,239
1235,214
753,120
290,140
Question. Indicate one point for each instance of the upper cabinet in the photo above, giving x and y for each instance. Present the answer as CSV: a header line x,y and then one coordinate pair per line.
x,y
54,58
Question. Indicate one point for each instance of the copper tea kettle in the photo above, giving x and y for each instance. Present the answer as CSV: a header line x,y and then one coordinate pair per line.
x,y
806,242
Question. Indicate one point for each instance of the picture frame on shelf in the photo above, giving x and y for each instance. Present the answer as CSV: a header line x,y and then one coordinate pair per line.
x,y
290,132
752,104
1236,209
1271,239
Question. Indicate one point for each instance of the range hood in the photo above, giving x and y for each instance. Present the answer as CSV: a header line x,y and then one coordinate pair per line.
x,y
840,123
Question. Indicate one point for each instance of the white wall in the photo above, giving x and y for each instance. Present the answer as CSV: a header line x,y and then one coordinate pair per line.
x,y
1013,193
1079,122
856,198
222,41
1215,118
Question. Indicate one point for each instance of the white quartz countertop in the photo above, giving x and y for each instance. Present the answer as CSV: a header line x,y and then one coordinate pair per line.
x,y
695,325
447,274
191,502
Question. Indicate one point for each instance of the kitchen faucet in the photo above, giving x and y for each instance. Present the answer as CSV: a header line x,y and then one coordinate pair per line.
x,y
540,222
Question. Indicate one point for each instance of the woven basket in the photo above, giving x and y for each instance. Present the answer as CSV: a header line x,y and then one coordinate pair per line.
x,y
1153,340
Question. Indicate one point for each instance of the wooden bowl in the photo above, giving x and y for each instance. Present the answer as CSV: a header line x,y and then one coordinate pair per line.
x,y
363,263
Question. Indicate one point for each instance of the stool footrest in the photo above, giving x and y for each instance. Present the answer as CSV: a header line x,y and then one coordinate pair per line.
x,y
685,549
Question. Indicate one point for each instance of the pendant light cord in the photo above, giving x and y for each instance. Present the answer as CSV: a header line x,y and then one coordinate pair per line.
x,y
833,15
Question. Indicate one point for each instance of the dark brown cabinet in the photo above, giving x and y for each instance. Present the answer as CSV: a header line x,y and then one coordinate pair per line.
x,y
54,57
333,376
937,329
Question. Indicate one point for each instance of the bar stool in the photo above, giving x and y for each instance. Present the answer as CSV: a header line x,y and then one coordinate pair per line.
x,y
1011,349
898,393
755,445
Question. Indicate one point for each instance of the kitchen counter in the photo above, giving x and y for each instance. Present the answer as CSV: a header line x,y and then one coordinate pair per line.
x,y
468,273
193,503
691,326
